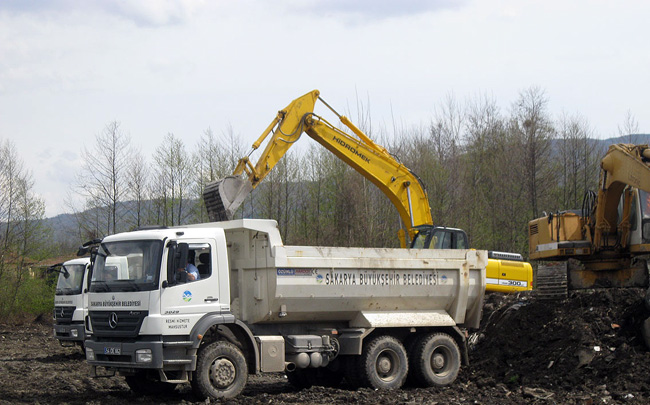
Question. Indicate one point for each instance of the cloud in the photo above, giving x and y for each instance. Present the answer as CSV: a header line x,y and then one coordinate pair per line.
x,y
378,9
147,13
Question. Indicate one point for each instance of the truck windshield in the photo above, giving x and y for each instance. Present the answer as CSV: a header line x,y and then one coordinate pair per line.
x,y
70,279
127,266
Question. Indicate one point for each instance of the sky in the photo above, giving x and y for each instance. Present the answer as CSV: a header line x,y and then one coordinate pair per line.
x,y
70,67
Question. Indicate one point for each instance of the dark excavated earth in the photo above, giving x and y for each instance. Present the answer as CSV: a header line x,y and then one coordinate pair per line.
x,y
586,349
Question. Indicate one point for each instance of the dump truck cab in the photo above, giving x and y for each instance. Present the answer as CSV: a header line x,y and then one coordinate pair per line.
x,y
69,300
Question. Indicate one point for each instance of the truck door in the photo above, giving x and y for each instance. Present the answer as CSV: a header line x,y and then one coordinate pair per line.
x,y
182,296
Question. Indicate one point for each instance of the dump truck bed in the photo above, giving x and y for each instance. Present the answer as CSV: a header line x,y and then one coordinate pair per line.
x,y
360,287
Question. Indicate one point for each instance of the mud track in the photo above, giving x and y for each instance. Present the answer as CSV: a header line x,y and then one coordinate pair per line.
x,y
583,350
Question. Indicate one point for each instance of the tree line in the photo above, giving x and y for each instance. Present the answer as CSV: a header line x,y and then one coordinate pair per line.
x,y
487,170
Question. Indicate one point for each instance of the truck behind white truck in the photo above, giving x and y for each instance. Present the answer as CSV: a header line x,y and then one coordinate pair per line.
x,y
320,314
69,306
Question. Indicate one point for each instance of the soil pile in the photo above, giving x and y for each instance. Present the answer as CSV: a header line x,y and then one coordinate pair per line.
x,y
586,349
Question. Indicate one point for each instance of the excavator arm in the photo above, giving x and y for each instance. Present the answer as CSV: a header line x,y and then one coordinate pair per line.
x,y
397,182
623,166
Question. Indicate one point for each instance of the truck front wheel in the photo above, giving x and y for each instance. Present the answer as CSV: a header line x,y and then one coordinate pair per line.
x,y
384,363
435,360
221,371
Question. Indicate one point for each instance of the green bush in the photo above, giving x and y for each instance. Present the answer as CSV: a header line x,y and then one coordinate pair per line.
x,y
35,297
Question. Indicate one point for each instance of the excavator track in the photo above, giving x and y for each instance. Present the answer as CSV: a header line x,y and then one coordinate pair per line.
x,y
551,281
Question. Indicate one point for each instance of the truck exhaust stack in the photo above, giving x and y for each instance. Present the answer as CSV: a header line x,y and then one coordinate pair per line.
x,y
223,197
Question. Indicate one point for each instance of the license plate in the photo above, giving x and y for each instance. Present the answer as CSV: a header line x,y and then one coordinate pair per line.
x,y
112,350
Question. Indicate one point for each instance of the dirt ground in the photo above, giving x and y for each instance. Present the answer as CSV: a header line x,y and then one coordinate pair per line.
x,y
583,350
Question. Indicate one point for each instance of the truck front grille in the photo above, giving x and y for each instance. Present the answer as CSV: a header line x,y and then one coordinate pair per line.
x,y
63,314
124,324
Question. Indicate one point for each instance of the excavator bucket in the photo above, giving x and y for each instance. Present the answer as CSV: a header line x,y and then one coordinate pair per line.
x,y
223,197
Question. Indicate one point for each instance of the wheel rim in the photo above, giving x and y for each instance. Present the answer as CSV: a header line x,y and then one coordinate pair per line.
x,y
222,373
440,360
387,365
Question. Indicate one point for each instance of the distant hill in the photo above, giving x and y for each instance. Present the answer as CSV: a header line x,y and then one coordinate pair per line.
x,y
633,138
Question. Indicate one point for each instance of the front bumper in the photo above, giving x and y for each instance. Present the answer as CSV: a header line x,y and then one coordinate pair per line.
x,y
124,355
70,333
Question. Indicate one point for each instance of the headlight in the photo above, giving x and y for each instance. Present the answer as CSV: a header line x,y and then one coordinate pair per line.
x,y
74,333
90,354
143,356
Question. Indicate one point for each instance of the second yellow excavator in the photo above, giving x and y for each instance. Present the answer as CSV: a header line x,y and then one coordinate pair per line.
x,y
506,272
607,242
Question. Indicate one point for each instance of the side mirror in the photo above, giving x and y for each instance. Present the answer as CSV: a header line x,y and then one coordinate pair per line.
x,y
83,250
176,258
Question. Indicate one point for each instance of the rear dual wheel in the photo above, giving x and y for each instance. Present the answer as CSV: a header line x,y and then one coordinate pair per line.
x,y
383,363
435,360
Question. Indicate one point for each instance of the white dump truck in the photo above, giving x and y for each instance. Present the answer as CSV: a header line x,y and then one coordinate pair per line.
x,y
69,313
371,315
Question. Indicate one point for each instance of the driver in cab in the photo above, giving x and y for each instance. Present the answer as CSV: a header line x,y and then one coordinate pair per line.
x,y
191,271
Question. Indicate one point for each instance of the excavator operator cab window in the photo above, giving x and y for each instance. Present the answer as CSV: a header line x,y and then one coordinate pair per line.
x,y
448,239
440,238
419,240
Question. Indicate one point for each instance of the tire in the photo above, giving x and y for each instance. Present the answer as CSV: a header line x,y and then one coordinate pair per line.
x,y
221,371
435,360
141,384
384,363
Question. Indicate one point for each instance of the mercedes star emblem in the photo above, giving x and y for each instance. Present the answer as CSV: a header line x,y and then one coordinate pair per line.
x,y
112,320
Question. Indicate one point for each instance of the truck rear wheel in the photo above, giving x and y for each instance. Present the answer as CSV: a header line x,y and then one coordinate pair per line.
x,y
384,364
221,371
435,360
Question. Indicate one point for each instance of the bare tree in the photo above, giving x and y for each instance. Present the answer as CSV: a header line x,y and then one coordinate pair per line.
x,y
172,163
214,158
578,164
137,181
103,177
532,130
23,235
629,128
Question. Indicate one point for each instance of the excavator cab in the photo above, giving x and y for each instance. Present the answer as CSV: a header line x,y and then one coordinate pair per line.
x,y
439,237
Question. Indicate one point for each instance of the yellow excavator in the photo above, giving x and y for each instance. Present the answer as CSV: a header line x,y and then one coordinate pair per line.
x,y
507,272
606,243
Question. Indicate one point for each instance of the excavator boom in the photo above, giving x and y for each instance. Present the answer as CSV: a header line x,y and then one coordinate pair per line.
x,y
397,182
